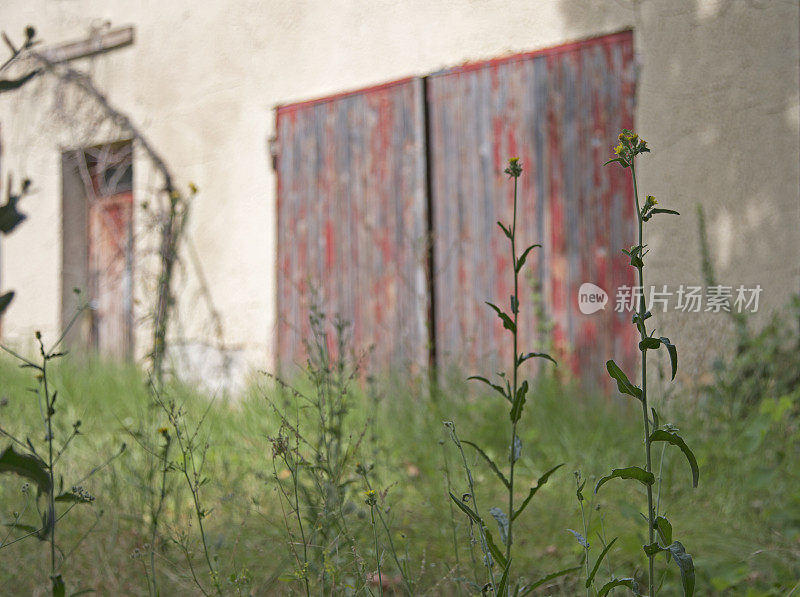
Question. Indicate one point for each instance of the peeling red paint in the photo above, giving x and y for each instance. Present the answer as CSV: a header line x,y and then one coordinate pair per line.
x,y
559,110
352,206
351,221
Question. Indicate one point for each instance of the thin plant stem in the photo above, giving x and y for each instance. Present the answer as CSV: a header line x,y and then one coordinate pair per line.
x,y
51,500
295,474
188,457
291,542
392,549
452,515
377,552
147,576
603,539
200,516
484,544
515,313
585,548
645,416
17,517
157,513
82,538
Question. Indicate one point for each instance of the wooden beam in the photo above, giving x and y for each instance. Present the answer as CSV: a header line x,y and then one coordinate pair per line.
x,y
98,43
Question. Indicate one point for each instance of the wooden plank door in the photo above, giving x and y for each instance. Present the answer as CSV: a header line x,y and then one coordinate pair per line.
x,y
111,274
559,111
352,222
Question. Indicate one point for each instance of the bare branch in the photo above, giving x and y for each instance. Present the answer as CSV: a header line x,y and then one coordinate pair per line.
x,y
12,84
84,82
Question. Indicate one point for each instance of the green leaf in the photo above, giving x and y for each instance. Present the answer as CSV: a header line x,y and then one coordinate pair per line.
x,y
524,256
502,523
623,384
619,582
466,509
639,321
508,323
649,343
26,465
59,588
501,588
659,210
581,539
622,162
491,545
651,549
5,300
542,480
632,472
546,579
498,388
579,491
661,435
635,253
491,463
505,230
519,402
684,562
590,578
515,453
673,354
538,355
48,525
27,528
497,554
655,417
664,529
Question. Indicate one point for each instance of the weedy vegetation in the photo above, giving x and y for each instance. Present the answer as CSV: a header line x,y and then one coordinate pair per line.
x,y
39,462
334,483
515,392
629,149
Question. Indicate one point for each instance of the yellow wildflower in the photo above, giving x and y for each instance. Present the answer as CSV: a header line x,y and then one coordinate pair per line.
x,y
514,168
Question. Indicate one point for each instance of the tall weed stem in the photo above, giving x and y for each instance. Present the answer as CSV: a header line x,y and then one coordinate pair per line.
x,y
515,392
659,529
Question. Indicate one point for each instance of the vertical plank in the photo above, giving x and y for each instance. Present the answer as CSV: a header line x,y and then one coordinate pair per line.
x,y
352,222
559,110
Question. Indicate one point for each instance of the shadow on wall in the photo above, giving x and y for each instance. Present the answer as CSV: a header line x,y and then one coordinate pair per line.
x,y
718,103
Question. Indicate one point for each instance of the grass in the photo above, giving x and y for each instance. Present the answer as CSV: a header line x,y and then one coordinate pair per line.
x,y
744,519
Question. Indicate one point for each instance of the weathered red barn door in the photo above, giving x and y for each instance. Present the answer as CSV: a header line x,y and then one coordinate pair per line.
x,y
559,111
352,221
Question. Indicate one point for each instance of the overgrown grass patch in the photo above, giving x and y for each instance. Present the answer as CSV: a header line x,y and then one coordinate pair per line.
x,y
743,522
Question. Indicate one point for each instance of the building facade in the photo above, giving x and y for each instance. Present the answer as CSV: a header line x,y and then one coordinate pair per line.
x,y
357,148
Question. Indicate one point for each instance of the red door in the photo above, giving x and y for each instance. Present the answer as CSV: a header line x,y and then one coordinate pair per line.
x,y
110,274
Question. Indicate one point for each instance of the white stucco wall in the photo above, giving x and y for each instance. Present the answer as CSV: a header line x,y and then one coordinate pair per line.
x,y
718,102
